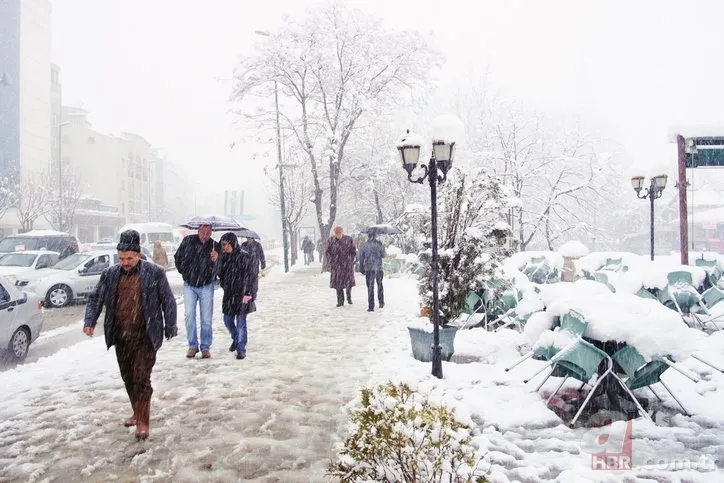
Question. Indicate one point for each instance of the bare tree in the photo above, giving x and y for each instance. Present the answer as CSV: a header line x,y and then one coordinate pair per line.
x,y
32,200
297,190
64,201
8,193
333,67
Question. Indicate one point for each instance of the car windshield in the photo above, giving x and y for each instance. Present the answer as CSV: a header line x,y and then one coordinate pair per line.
x,y
15,243
17,260
72,261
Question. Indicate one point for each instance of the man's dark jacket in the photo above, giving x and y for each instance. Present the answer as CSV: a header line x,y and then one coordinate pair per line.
x,y
157,301
256,250
193,260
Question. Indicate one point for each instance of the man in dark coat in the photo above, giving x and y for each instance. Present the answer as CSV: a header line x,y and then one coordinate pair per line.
x,y
140,311
239,277
308,249
256,250
371,255
341,253
196,262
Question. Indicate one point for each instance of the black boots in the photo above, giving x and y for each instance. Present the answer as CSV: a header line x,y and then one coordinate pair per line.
x,y
341,294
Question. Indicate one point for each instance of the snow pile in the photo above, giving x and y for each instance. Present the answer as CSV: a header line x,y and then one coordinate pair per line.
x,y
573,249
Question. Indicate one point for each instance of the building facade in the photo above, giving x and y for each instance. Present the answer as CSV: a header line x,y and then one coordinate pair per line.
x,y
25,93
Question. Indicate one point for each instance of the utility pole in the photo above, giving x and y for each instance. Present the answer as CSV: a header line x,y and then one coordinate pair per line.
x,y
282,201
683,213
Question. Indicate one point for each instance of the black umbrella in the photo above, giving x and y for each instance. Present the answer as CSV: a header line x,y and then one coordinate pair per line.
x,y
218,223
246,233
375,230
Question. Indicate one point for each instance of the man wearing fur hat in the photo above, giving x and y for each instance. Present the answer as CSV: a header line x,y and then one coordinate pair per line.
x,y
140,311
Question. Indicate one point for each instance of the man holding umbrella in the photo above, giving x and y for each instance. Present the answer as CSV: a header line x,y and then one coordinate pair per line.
x,y
196,262
371,255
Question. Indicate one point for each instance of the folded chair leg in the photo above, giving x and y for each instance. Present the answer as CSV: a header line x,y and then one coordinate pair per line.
x,y
643,413
585,401
706,362
673,365
525,381
548,401
545,379
580,388
654,393
520,361
686,413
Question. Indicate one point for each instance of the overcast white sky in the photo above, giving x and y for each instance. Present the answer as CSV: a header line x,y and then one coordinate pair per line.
x,y
628,69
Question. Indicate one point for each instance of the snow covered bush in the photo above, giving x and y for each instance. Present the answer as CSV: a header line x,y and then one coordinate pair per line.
x,y
473,240
397,435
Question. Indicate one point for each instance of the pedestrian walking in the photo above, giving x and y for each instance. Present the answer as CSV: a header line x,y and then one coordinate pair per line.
x,y
320,249
371,255
239,277
140,309
308,249
196,262
253,247
160,257
341,254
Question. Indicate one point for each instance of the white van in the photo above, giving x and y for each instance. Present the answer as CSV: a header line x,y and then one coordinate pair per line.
x,y
152,232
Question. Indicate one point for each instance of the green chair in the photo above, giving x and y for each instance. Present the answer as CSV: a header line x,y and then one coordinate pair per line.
x,y
474,304
713,274
712,296
646,294
572,322
603,278
681,295
582,362
643,374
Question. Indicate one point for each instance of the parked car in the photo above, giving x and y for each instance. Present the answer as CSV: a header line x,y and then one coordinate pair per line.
x,y
17,263
21,319
55,241
72,278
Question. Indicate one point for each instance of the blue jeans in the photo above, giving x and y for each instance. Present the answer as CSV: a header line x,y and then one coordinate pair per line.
x,y
236,323
205,297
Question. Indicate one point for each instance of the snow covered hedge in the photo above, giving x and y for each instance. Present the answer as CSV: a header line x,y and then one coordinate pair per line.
x,y
473,239
397,435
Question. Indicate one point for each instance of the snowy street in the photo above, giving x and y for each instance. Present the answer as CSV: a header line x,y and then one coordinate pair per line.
x,y
271,417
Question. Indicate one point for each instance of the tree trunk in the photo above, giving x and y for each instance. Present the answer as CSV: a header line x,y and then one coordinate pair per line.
x,y
380,216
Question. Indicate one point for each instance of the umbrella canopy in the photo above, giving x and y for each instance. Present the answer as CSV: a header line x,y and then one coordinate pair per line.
x,y
374,230
218,223
246,233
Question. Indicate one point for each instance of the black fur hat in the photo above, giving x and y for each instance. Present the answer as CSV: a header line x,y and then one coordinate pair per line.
x,y
130,241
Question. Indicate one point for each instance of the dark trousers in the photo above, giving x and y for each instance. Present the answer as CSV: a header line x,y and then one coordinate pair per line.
x,y
371,278
341,293
308,257
136,359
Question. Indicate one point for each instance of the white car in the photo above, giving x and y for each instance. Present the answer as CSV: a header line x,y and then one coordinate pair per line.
x,y
72,278
21,319
17,263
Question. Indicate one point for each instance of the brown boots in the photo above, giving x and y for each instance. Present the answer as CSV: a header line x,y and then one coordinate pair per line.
x,y
143,416
132,420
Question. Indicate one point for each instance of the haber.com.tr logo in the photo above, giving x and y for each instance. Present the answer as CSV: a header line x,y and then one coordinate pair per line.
x,y
610,446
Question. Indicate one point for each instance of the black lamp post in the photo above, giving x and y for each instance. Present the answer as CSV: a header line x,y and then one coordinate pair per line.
x,y
441,160
653,192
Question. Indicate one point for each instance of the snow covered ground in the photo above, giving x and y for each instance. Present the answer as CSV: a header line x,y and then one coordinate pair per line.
x,y
277,416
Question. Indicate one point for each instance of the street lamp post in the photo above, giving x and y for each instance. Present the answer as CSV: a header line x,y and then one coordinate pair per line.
x,y
282,200
441,160
653,192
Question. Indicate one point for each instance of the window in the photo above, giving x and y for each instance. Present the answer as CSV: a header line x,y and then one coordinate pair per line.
x,y
4,295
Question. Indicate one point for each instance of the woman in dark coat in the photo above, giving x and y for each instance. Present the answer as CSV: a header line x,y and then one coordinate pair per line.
x,y
239,278
341,253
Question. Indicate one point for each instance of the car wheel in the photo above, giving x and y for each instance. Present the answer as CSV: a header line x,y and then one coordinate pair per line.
x,y
59,296
19,344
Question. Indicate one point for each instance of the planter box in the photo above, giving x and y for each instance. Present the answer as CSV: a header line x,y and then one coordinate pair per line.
x,y
422,339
